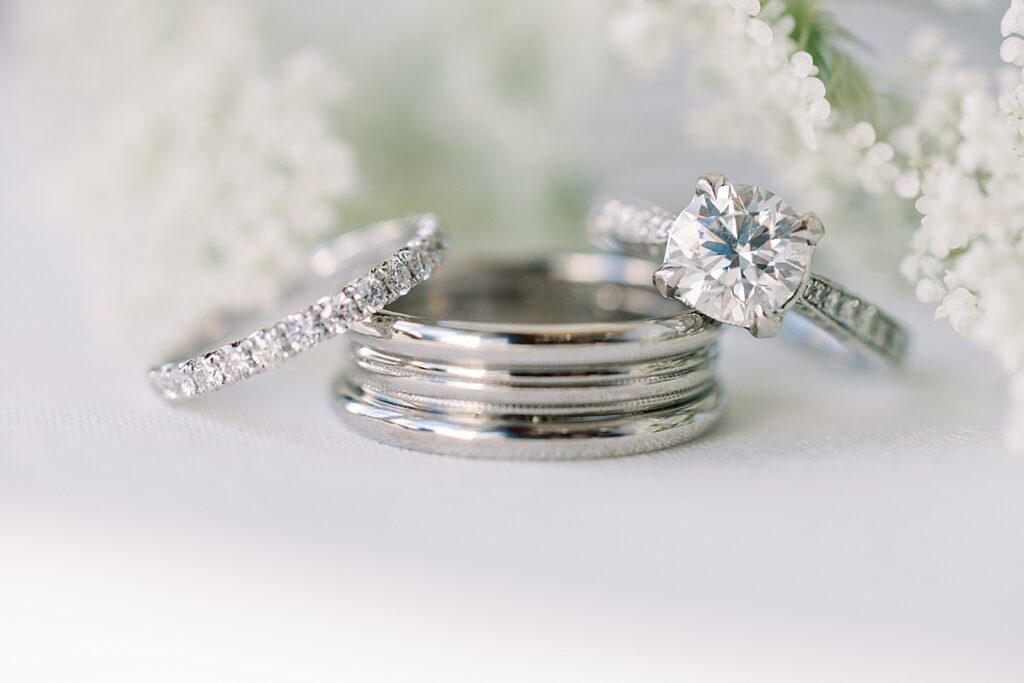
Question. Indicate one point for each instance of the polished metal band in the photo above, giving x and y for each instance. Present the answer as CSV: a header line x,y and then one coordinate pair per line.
x,y
635,229
566,356
406,252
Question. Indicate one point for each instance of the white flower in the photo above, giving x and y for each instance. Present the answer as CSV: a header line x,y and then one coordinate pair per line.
x,y
959,306
930,291
972,206
745,50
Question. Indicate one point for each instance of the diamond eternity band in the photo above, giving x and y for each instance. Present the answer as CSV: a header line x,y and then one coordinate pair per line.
x,y
408,250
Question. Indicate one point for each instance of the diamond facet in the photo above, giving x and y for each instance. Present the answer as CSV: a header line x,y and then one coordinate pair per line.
x,y
207,372
372,292
172,382
294,329
238,360
401,279
345,310
267,348
738,254
414,261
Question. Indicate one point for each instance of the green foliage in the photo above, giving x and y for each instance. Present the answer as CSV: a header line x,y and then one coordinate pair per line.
x,y
818,33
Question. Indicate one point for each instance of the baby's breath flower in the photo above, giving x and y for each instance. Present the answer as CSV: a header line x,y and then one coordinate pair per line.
x,y
972,225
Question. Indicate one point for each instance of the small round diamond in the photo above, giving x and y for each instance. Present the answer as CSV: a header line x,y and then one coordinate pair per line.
x,y
848,311
303,330
414,261
831,304
207,372
292,328
172,382
401,278
345,310
866,321
372,291
267,348
238,360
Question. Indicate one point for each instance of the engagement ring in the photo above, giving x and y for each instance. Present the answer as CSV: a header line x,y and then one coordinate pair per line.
x,y
741,255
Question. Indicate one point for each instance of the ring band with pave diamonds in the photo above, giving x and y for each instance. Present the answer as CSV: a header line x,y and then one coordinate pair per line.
x,y
565,356
742,256
406,252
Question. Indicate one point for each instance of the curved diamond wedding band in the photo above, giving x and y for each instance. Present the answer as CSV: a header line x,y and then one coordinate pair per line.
x,y
742,256
406,252
565,356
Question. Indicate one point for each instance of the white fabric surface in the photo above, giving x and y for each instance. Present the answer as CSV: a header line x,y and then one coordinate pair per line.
x,y
835,527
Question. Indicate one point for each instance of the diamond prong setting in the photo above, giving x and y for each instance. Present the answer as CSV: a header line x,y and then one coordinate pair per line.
x,y
765,325
664,281
709,183
814,227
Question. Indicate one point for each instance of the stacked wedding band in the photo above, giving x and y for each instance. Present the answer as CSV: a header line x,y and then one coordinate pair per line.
x,y
406,252
565,356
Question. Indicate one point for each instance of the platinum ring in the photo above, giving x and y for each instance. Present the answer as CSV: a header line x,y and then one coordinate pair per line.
x,y
406,253
742,256
559,357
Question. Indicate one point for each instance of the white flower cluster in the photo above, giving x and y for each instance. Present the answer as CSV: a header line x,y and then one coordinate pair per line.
x,y
744,48
958,160
201,169
968,254
746,55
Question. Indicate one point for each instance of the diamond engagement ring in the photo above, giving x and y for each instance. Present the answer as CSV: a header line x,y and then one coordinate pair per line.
x,y
405,251
742,256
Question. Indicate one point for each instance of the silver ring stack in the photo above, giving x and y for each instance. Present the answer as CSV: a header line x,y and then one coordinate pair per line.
x,y
561,357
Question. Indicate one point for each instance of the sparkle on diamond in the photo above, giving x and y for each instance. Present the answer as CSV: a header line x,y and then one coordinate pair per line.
x,y
736,251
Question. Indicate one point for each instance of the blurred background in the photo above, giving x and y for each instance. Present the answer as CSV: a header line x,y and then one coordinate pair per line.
x,y
165,159
198,149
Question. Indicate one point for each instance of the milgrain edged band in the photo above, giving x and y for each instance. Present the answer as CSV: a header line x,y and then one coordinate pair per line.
x,y
407,251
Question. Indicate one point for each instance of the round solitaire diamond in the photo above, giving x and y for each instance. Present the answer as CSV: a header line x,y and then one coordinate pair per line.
x,y
738,254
